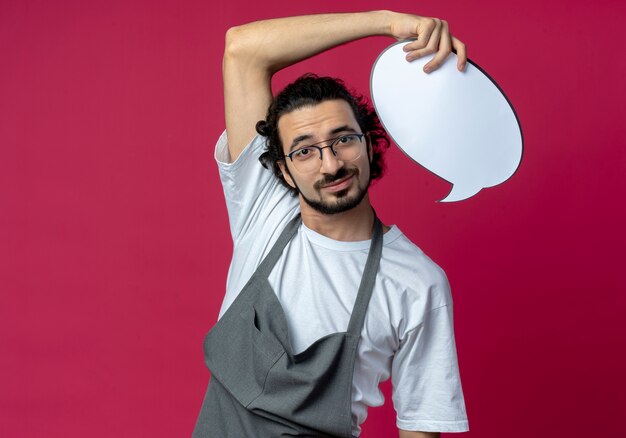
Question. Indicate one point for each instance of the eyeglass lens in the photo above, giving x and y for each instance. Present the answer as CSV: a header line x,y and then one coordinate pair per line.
x,y
345,148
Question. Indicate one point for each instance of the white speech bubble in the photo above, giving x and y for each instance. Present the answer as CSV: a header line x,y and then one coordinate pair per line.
x,y
460,126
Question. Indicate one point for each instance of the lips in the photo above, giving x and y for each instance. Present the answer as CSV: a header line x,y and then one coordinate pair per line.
x,y
340,184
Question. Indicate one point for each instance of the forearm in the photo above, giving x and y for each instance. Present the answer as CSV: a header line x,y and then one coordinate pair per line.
x,y
255,51
277,43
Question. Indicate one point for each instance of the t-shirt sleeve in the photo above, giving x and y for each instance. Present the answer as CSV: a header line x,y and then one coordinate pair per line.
x,y
252,192
427,392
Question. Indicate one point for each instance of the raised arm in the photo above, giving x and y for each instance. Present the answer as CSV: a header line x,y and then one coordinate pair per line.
x,y
255,51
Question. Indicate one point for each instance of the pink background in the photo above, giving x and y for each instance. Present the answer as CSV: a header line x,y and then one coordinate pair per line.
x,y
114,239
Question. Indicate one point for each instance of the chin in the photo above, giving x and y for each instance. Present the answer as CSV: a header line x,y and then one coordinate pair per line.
x,y
341,202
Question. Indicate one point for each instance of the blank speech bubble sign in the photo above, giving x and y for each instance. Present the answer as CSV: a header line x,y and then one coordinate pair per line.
x,y
460,126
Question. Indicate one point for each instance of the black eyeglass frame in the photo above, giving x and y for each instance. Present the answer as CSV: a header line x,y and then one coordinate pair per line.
x,y
331,146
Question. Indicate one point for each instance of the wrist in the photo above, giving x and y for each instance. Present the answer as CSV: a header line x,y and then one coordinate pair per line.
x,y
376,22
385,19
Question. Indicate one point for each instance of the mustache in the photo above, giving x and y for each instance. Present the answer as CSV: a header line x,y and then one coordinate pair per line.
x,y
341,173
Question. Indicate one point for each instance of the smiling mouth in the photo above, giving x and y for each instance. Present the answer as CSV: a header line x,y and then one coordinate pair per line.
x,y
339,184
338,181
340,177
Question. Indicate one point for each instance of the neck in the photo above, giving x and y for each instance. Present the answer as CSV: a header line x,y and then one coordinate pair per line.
x,y
353,225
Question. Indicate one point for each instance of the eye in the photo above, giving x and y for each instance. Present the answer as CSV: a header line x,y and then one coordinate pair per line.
x,y
302,154
346,139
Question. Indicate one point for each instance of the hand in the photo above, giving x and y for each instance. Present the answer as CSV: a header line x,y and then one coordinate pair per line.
x,y
433,36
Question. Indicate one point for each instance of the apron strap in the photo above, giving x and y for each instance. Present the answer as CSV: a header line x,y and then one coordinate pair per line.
x,y
266,266
368,280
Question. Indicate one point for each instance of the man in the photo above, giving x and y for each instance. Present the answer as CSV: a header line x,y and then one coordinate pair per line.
x,y
323,301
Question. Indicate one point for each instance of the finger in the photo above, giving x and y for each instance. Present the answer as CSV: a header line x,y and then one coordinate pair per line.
x,y
461,53
444,47
423,33
431,47
433,43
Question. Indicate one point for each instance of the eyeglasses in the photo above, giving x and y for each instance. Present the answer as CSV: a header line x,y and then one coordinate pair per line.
x,y
346,147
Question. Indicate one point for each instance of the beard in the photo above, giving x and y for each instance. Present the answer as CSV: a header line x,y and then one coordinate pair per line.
x,y
342,201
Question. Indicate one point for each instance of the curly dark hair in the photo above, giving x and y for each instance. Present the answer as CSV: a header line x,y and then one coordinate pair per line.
x,y
309,90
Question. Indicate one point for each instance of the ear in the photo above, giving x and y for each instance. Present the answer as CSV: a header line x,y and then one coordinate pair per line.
x,y
286,174
370,148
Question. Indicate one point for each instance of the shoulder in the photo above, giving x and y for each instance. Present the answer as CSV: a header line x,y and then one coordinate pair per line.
x,y
404,263
250,151
253,195
411,283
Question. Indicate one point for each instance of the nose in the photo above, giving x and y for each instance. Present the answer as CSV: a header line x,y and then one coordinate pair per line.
x,y
330,163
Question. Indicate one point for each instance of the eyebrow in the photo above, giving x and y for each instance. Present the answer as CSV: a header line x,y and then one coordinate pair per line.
x,y
296,141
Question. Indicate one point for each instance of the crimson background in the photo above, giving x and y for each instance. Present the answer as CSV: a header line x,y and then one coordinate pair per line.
x,y
114,235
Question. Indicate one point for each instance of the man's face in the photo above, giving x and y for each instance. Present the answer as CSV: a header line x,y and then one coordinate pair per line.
x,y
336,186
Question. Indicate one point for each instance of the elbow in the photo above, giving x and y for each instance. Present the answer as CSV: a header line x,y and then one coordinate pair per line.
x,y
234,50
243,50
232,44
